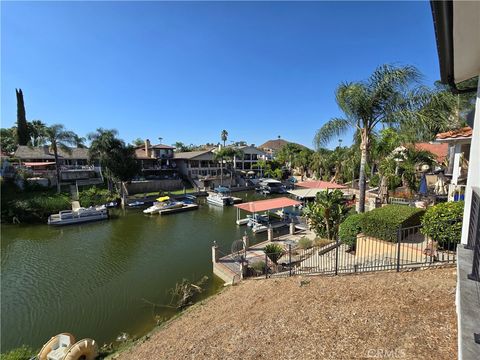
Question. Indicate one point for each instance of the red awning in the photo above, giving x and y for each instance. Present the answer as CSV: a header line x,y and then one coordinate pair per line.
x,y
39,163
320,185
270,204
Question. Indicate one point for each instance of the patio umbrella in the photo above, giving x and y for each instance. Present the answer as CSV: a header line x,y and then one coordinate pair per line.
x,y
423,185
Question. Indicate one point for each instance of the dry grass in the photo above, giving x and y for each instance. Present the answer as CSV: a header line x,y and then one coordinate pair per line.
x,y
407,315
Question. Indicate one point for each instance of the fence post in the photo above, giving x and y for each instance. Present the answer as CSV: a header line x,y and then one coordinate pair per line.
x,y
399,235
290,259
336,256
266,266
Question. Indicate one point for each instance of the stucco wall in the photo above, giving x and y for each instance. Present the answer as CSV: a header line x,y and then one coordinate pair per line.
x,y
147,186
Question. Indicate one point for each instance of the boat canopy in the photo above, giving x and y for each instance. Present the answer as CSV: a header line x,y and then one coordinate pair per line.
x,y
222,189
270,204
163,198
323,185
33,164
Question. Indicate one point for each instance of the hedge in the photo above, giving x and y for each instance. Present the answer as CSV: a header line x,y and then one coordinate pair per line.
x,y
383,223
443,223
350,228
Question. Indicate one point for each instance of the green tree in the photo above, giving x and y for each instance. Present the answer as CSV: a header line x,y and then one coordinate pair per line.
x,y
116,159
138,142
274,252
23,135
387,97
228,154
326,213
79,141
180,147
36,130
59,139
224,136
8,139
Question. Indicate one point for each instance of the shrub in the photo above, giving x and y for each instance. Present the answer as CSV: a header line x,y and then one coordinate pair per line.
x,y
443,223
383,223
320,242
305,243
374,181
274,252
259,267
349,229
95,196
22,353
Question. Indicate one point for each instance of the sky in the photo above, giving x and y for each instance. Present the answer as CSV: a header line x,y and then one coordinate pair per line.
x,y
184,71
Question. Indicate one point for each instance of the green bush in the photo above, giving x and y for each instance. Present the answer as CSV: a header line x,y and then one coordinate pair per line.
x,y
350,228
259,267
305,243
274,252
95,196
22,353
443,223
383,223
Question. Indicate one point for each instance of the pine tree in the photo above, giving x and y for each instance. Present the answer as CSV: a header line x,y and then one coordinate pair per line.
x,y
22,126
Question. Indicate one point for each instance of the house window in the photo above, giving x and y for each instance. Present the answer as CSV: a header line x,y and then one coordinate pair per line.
x,y
204,164
254,157
247,166
247,156
194,163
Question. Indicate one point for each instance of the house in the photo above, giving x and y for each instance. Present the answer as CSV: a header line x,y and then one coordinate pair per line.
x,y
458,143
74,164
154,156
272,147
457,25
251,155
200,167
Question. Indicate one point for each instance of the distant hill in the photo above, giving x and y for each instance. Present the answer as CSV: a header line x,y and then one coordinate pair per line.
x,y
277,144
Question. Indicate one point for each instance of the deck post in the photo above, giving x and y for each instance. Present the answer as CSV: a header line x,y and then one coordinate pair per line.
x,y
292,228
215,253
270,233
246,241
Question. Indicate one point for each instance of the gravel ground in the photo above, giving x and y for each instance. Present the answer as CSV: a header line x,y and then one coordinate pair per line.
x,y
406,315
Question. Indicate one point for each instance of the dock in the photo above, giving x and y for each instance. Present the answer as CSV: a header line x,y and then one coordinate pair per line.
x,y
187,207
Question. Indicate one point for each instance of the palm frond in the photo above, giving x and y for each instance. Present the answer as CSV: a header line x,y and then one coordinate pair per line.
x,y
333,128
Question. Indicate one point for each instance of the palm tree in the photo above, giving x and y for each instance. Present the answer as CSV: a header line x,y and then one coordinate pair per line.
x,y
224,136
59,138
36,130
79,141
103,141
385,98
227,154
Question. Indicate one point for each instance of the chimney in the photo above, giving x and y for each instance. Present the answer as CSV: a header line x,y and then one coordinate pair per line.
x,y
147,148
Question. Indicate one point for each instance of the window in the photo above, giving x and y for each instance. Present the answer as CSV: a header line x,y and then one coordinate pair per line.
x,y
254,157
247,156
194,163
204,164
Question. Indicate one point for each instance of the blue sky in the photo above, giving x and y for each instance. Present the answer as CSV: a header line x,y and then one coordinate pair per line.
x,y
185,71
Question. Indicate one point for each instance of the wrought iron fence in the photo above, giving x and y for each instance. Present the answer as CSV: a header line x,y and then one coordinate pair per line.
x,y
411,249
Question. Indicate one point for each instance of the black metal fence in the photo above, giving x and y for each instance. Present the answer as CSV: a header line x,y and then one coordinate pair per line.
x,y
411,249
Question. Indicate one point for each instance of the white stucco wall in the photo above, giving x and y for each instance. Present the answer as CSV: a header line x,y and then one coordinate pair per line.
x,y
473,179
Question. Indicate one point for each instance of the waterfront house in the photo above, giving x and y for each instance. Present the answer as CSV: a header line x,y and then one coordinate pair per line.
x,y
456,31
156,161
272,147
73,165
199,167
250,156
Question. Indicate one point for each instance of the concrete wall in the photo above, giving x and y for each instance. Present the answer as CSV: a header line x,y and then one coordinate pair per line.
x,y
146,186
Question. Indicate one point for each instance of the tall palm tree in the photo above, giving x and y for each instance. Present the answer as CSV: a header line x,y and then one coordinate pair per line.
x,y
103,142
59,138
224,136
386,97
228,154
79,141
36,130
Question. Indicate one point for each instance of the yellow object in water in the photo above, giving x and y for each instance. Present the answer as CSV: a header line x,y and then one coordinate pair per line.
x,y
163,198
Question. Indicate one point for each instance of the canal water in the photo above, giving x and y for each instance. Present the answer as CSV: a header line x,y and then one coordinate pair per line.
x,y
95,280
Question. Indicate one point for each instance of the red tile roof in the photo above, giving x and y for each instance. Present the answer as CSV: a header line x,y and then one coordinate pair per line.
x,y
320,185
439,150
465,132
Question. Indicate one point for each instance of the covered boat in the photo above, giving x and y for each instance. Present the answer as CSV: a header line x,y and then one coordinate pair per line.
x,y
220,197
78,215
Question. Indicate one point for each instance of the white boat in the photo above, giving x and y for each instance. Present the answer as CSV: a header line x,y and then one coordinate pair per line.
x,y
163,203
271,186
136,203
220,197
78,215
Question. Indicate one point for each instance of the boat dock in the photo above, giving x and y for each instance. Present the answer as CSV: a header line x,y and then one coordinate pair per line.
x,y
187,207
